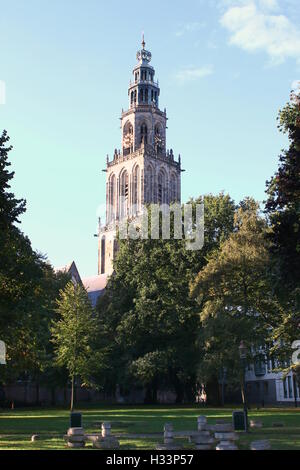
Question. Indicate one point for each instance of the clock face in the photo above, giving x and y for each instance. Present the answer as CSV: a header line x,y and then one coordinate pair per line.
x,y
159,141
144,55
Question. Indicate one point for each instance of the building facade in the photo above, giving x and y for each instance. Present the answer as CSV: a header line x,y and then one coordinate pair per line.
x,y
266,387
143,171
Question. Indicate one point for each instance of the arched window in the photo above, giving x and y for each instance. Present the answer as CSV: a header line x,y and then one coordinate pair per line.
x,y
173,188
124,194
141,100
149,180
127,138
112,199
158,139
144,134
103,255
162,188
136,189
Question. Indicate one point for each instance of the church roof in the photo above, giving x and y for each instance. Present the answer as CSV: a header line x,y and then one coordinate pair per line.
x,y
71,269
95,286
63,269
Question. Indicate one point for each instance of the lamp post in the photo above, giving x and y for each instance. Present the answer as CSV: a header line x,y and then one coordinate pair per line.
x,y
243,357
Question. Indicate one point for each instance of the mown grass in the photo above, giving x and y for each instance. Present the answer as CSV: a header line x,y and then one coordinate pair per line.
x,y
17,426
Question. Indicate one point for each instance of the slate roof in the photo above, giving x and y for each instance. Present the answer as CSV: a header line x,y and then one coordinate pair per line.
x,y
95,286
71,269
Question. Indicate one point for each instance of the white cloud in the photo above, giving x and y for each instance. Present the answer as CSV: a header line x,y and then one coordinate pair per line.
x,y
193,73
257,25
269,4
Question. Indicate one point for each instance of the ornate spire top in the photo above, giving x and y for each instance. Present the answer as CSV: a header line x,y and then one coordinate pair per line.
x,y
143,55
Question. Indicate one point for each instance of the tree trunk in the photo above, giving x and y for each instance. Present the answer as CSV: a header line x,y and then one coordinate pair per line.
x,y
72,393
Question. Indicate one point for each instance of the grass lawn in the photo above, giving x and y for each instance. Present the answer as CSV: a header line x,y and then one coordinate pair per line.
x,y
17,426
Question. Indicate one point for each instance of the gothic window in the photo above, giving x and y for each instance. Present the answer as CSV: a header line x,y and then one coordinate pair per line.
x,y
127,138
158,139
149,178
103,255
112,199
146,95
136,189
124,194
161,190
141,95
173,188
144,134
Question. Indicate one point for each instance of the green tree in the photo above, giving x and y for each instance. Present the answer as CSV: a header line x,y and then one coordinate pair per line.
x,y
283,211
283,203
234,296
28,288
73,334
148,321
10,207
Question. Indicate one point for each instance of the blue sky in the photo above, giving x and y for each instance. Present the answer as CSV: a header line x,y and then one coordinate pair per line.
x,y
225,68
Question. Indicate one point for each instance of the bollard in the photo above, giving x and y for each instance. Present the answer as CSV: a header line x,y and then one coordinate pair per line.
x,y
75,438
106,440
168,443
202,423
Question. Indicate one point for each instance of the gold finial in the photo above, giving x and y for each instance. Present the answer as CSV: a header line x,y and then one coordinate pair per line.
x,y
143,41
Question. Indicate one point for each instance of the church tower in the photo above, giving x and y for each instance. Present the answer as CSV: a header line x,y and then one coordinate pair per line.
x,y
143,171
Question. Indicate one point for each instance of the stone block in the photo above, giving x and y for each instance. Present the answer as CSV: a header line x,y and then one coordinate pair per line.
x,y
75,432
226,436
76,438
106,443
201,423
224,427
260,445
226,446
76,445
